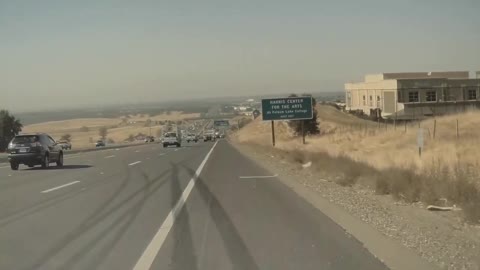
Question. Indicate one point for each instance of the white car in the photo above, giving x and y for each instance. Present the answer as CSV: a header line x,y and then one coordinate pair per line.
x,y
172,138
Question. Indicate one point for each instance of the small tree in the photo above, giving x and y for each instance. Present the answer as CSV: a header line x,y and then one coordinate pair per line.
x,y
9,127
310,125
102,132
66,137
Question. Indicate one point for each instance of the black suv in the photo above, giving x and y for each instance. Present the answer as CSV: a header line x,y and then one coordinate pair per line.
x,y
34,149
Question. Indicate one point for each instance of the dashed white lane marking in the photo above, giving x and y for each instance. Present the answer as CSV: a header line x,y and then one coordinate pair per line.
x,y
110,156
148,256
137,151
134,163
161,154
70,157
258,176
59,187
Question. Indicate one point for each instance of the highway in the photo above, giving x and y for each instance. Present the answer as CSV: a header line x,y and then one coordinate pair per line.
x,y
144,207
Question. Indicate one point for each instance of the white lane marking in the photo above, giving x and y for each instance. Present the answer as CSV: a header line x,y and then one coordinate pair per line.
x,y
70,157
62,186
110,156
161,154
258,176
137,151
4,167
148,256
136,162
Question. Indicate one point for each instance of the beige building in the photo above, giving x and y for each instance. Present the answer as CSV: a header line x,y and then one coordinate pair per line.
x,y
414,95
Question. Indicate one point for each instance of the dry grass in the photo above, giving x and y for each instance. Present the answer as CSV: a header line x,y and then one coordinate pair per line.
x,y
355,150
117,131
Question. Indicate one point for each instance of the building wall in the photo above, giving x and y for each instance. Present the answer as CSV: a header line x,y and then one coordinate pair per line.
x,y
392,95
368,95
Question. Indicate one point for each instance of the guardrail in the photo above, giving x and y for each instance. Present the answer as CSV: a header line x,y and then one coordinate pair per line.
x,y
4,156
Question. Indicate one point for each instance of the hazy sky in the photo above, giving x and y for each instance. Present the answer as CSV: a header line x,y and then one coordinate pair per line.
x,y
62,53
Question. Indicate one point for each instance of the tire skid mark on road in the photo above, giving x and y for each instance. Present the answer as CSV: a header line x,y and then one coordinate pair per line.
x,y
118,227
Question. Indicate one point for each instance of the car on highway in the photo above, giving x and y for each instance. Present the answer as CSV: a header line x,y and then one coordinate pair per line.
x,y
209,136
172,138
100,143
34,149
65,145
192,138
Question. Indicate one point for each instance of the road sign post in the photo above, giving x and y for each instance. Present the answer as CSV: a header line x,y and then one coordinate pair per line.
x,y
420,141
291,108
273,133
303,131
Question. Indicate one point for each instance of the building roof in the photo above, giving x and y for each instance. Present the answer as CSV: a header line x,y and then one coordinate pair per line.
x,y
417,75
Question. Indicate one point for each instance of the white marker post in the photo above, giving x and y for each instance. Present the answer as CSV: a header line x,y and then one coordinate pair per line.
x,y
420,141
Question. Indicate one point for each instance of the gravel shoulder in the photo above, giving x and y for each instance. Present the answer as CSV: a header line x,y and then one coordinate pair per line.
x,y
441,238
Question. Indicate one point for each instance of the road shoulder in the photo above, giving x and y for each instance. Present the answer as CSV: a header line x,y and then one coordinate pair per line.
x,y
392,253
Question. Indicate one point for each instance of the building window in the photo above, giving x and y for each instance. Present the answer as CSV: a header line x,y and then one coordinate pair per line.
x,y
378,101
412,96
364,100
371,101
472,94
431,96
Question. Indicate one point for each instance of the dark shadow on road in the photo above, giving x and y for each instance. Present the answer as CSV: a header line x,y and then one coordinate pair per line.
x,y
183,251
129,207
107,209
237,251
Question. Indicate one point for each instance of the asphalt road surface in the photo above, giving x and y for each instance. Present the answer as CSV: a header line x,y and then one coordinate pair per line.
x,y
141,208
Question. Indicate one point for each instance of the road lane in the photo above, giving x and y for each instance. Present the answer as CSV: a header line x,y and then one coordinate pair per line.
x,y
232,223
104,222
238,216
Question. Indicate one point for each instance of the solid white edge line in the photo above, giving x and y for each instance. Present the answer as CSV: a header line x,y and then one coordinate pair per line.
x,y
110,156
134,163
148,256
258,177
62,186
